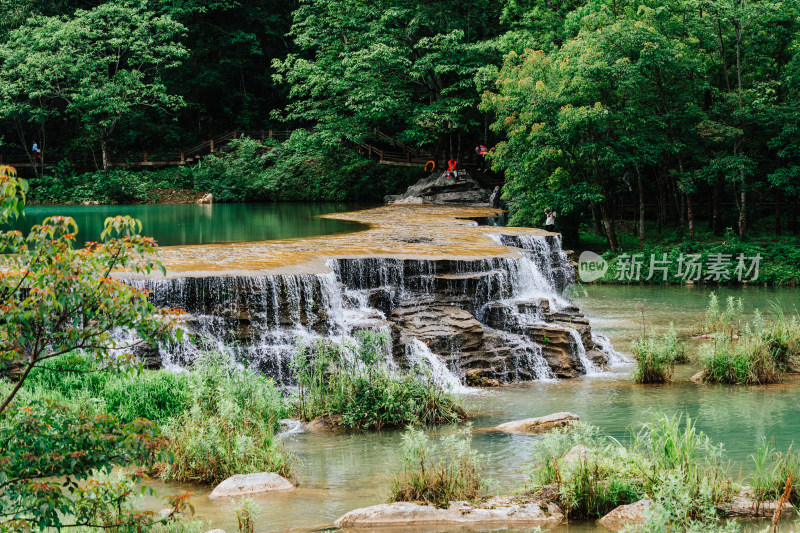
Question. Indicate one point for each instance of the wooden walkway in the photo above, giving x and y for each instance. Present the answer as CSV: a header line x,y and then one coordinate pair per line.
x,y
145,159
383,148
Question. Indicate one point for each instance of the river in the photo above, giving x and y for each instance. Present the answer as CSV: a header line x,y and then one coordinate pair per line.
x,y
338,473
187,224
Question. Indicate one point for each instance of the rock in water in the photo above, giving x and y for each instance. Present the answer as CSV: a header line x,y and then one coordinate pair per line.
x,y
626,515
443,190
494,199
540,424
242,484
207,199
500,510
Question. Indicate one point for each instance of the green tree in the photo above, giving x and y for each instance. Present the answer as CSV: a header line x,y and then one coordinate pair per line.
x,y
58,299
97,66
396,65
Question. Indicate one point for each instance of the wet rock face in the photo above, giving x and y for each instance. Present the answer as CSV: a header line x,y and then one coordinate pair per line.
x,y
489,321
440,189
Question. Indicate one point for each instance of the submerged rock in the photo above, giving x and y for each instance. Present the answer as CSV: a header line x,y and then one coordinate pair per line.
x,y
440,189
744,504
539,424
625,515
325,423
242,484
500,510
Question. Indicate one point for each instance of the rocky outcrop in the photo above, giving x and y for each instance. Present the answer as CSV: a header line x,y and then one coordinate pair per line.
x,y
626,515
540,424
499,511
440,189
242,484
488,321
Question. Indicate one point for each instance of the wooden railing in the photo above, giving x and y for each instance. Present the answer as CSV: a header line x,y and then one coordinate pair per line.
x,y
87,158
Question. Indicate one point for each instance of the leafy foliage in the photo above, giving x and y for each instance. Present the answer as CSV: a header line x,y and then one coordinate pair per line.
x,y
357,383
230,427
59,299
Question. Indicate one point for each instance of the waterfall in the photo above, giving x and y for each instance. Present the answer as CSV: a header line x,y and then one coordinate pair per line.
x,y
487,317
418,353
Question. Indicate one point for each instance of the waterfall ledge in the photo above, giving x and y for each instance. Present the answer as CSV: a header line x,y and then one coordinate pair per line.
x,y
478,305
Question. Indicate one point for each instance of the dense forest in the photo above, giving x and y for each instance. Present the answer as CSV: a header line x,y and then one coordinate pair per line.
x,y
676,117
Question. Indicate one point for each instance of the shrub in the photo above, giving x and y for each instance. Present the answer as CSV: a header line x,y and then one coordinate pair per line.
x,y
596,477
656,356
235,175
758,354
437,475
154,395
230,427
357,382
668,460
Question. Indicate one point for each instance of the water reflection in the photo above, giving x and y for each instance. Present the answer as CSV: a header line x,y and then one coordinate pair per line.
x,y
173,225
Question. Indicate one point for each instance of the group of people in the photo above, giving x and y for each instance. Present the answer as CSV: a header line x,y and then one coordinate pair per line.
x,y
452,164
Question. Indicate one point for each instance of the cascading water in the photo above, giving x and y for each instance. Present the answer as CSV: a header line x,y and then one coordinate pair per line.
x,y
500,318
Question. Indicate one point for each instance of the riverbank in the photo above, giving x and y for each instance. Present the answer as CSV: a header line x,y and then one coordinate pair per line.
x,y
713,261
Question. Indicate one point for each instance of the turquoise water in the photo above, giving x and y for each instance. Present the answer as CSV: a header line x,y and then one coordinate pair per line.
x,y
338,473
173,225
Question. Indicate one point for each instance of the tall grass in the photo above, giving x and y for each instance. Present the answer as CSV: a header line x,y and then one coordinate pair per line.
x,y
759,353
357,382
728,321
771,469
597,477
667,460
656,356
439,474
230,427
154,395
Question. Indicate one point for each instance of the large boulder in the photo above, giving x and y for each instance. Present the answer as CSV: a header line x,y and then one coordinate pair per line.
x,y
441,189
540,424
242,484
500,511
626,515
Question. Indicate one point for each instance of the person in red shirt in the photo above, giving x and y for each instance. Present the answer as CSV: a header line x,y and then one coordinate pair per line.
x,y
451,168
481,150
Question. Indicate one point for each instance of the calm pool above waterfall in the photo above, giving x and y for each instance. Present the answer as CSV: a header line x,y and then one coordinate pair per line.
x,y
174,225
338,473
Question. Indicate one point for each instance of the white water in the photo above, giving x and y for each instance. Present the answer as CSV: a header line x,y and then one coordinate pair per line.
x,y
419,353
260,320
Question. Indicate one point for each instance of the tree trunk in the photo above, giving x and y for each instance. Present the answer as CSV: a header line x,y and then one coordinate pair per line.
x,y
598,230
716,227
793,218
743,208
104,149
608,223
640,186
778,212
690,214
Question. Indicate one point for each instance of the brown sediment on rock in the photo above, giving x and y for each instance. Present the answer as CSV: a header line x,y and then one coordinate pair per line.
x,y
395,231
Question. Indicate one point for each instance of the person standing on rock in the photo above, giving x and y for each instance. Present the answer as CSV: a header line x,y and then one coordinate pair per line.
x,y
550,220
